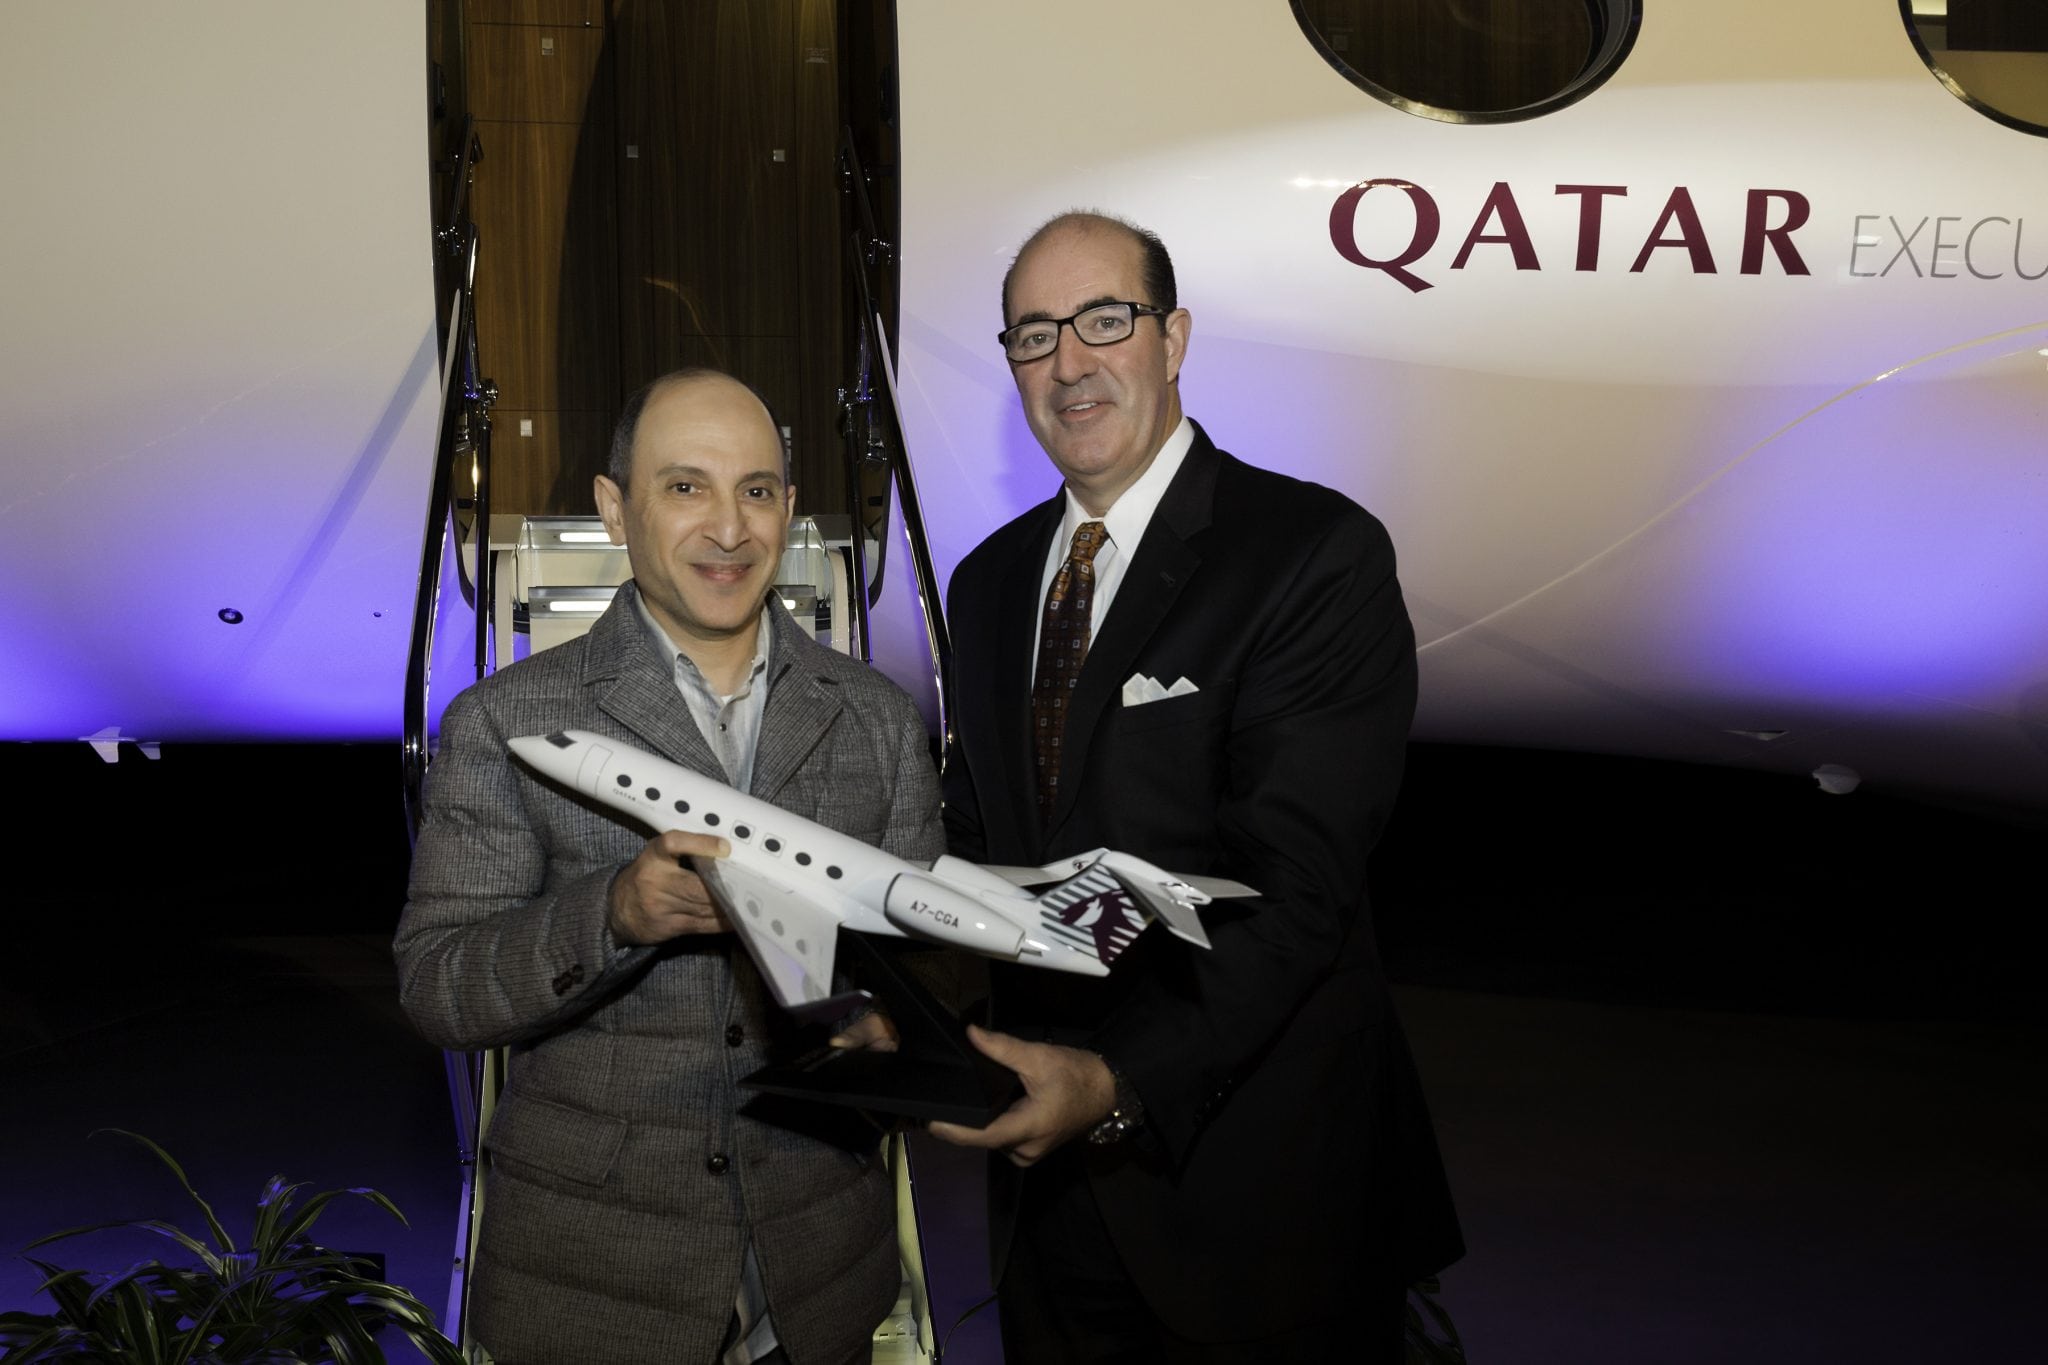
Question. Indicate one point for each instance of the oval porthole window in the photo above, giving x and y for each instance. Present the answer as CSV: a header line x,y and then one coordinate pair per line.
x,y
1473,61
1991,54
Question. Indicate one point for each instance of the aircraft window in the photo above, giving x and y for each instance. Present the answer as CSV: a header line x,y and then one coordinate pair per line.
x,y
710,819
625,780
1991,54
682,808
772,844
654,793
834,873
742,832
803,859
1473,61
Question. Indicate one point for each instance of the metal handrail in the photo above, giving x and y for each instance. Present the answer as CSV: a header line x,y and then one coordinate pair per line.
x,y
455,222
466,400
465,422
874,434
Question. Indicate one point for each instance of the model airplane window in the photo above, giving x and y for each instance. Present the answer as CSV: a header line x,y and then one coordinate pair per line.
x,y
1472,61
1991,54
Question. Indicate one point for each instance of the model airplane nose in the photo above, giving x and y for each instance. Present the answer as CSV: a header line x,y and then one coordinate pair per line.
x,y
532,748
572,759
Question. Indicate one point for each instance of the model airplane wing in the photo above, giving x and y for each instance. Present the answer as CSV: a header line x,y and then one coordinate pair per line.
x,y
791,938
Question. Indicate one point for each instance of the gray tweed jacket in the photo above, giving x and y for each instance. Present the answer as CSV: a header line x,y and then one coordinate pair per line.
x,y
623,1181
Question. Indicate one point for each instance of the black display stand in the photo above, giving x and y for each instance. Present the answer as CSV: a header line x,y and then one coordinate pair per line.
x,y
935,1072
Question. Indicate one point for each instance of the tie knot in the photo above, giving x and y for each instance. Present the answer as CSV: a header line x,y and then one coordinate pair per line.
x,y
1088,538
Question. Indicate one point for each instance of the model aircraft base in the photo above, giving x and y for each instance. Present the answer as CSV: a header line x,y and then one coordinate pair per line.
x,y
934,1073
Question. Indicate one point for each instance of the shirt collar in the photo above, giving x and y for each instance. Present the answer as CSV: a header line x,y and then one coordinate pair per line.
x,y
1125,521
673,658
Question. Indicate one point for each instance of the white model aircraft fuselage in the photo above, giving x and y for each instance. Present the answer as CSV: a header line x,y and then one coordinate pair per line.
x,y
790,883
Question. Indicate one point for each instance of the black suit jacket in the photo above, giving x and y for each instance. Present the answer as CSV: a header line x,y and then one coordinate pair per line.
x,y
1287,1151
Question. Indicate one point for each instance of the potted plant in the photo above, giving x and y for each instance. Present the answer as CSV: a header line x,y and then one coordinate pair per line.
x,y
280,1298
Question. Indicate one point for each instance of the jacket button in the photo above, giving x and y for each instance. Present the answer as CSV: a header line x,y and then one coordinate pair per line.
x,y
734,1035
716,1163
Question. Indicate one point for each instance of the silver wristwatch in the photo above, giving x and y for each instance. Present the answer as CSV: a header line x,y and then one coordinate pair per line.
x,y
1126,1118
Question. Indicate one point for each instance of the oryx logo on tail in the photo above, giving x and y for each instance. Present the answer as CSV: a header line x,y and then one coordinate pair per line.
x,y
1092,912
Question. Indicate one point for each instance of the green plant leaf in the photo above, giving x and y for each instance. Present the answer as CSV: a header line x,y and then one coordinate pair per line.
x,y
220,1234
317,1205
272,1206
48,1238
33,1344
68,1289
344,1332
131,1314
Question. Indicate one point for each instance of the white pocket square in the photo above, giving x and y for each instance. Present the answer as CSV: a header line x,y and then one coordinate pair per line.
x,y
1139,689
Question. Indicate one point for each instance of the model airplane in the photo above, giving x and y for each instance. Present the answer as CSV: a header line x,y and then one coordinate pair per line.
x,y
790,883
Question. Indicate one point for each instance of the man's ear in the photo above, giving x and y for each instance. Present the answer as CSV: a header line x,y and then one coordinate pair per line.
x,y
788,504
611,508
1179,325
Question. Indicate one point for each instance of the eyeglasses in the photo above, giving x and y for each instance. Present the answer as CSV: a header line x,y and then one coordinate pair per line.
x,y
1103,325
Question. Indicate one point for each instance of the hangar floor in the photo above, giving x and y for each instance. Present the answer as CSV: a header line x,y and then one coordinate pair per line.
x,y
1735,1106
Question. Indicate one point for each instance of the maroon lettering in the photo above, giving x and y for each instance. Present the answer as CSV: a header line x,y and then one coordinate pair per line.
x,y
1755,232
1678,208
1590,199
1514,233
1428,222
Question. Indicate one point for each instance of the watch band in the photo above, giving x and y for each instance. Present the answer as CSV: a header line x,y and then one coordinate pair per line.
x,y
1128,1115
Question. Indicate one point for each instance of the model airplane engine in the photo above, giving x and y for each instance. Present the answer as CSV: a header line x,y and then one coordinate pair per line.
x,y
931,909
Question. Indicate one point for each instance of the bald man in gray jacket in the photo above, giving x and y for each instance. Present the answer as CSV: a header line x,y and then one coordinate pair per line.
x,y
634,1214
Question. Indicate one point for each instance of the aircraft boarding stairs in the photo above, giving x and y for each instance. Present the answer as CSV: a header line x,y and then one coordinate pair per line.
x,y
553,576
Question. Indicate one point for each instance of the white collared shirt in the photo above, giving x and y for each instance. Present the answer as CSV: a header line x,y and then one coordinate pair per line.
x,y
730,725
1123,527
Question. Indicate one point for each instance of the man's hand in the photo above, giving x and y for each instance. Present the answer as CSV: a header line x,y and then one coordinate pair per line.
x,y
873,1032
1066,1092
656,897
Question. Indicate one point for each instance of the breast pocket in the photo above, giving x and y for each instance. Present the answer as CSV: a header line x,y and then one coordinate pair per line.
x,y
1194,709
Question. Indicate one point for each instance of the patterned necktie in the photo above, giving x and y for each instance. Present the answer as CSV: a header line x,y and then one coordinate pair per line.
x,y
1062,645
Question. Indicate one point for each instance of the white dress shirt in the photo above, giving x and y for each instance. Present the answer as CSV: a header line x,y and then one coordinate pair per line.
x,y
1123,527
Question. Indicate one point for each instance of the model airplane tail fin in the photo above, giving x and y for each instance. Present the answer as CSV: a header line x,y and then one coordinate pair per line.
x,y
1105,905
1093,913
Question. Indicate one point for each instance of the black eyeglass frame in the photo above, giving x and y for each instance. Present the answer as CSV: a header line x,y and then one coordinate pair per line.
x,y
1138,310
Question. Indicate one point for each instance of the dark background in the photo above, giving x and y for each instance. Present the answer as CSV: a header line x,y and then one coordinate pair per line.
x,y
1724,1068
1519,871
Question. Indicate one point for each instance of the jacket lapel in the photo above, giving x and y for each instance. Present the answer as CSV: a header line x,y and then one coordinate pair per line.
x,y
800,708
633,689
1158,574
1017,611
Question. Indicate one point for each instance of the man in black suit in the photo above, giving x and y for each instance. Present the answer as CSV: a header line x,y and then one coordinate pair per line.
x,y
1219,1155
